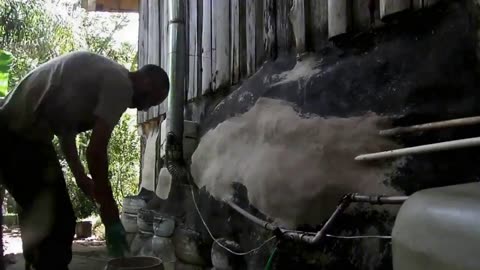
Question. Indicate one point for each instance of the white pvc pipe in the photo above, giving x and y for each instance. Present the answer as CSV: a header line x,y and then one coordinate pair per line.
x,y
433,125
428,148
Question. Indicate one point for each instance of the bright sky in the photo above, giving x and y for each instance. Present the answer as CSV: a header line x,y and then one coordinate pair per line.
x,y
130,32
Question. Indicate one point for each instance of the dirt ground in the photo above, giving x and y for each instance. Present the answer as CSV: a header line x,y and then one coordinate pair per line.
x,y
88,254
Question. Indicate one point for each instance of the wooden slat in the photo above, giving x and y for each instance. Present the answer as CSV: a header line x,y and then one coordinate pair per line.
x,y
417,4
143,33
163,33
194,41
142,44
207,46
361,16
251,35
221,22
153,32
259,33
189,16
235,41
319,21
284,30
338,19
270,29
243,38
297,18
163,46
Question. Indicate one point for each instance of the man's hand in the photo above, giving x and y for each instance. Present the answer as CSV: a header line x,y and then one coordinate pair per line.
x,y
97,159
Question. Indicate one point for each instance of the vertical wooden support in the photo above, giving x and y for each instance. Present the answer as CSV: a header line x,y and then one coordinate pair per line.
x,y
153,32
251,35
338,17
284,30
143,33
193,40
207,46
235,41
221,39
142,44
297,18
269,37
238,65
163,46
254,34
259,33
319,21
361,15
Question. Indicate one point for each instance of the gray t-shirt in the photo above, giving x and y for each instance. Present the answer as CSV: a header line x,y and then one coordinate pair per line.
x,y
67,94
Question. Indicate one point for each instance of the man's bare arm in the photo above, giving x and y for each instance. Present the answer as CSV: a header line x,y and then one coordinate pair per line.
x,y
97,160
69,148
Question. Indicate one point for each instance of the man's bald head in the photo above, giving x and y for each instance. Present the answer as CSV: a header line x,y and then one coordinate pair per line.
x,y
151,85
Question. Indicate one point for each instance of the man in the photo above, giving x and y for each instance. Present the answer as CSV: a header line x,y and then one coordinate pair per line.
x,y
70,94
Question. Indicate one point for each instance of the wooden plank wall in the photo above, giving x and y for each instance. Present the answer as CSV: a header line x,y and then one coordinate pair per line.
x,y
229,40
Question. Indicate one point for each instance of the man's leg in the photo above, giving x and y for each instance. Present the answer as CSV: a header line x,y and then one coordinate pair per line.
x,y
33,175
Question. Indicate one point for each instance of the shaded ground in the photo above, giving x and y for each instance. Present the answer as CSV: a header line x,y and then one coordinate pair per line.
x,y
87,254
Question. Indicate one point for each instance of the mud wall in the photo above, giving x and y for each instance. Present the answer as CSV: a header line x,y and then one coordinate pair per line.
x,y
421,67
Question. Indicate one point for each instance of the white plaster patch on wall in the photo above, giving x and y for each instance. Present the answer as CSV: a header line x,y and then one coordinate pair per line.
x,y
295,169
302,71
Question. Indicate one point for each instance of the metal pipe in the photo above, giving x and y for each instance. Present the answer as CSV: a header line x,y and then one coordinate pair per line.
x,y
378,199
323,231
254,219
422,149
433,125
176,67
315,238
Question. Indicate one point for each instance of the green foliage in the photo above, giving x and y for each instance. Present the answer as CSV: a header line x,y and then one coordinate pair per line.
x,y
37,31
5,63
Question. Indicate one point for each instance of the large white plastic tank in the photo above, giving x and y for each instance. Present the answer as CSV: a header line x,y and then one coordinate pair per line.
x,y
439,229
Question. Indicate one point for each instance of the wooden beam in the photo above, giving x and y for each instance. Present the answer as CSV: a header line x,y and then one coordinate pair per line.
x,y
112,5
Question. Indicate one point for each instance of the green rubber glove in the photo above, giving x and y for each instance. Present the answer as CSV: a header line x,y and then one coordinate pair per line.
x,y
116,240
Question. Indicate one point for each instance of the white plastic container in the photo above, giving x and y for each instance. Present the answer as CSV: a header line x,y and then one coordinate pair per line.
x,y
164,184
163,226
163,248
129,222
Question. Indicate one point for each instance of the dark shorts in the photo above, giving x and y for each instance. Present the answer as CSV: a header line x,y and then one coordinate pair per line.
x,y
32,174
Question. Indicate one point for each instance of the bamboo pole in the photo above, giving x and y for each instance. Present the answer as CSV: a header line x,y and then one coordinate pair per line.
x,y
433,125
422,149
